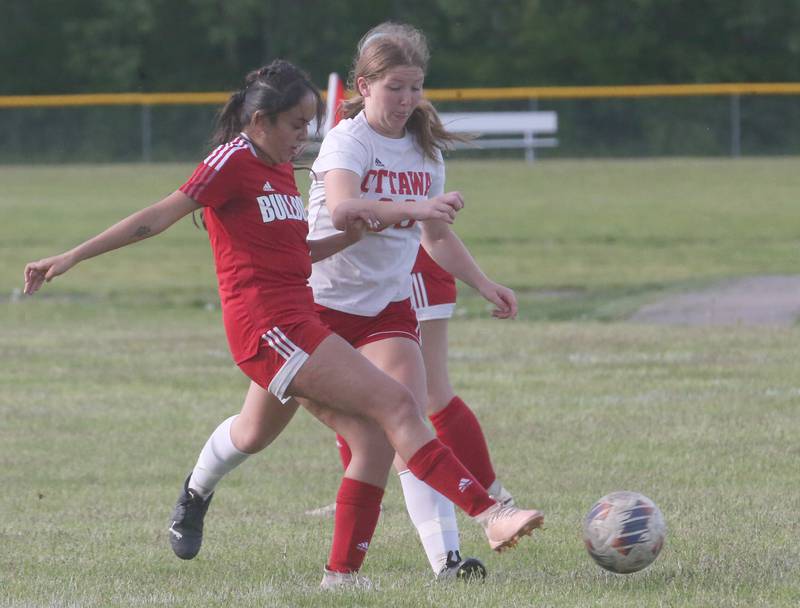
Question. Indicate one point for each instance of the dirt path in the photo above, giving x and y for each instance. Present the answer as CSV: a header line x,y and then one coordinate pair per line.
x,y
763,300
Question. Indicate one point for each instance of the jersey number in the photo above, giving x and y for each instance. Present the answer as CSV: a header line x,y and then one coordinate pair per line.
x,y
405,223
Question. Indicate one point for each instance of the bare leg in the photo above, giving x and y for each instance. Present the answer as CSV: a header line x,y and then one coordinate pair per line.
x,y
262,419
435,353
358,500
371,452
337,377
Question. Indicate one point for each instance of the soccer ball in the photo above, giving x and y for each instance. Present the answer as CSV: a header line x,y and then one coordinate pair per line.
x,y
624,532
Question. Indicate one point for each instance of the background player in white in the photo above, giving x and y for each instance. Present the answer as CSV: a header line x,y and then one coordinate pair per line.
x,y
387,154
433,296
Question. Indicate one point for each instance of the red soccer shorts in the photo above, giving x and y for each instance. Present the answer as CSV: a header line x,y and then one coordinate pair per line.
x,y
397,320
282,352
433,289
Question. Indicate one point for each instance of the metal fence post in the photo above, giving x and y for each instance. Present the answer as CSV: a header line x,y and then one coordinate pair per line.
x,y
736,126
147,133
530,149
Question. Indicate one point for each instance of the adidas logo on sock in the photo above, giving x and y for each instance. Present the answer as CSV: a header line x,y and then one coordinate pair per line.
x,y
464,484
363,546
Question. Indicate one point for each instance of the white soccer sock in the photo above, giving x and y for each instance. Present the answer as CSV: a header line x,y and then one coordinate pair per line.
x,y
434,516
217,458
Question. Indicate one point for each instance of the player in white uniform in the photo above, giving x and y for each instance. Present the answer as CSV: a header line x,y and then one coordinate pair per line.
x,y
385,155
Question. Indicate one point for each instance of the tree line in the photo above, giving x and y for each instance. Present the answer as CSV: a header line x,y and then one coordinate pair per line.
x,y
79,46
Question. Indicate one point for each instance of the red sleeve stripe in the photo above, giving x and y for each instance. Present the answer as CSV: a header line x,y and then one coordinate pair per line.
x,y
199,181
217,153
204,173
220,150
221,161
220,156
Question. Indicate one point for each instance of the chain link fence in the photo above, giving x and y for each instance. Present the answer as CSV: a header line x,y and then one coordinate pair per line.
x,y
624,127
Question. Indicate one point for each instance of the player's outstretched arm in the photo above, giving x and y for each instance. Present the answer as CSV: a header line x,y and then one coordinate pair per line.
x,y
136,227
343,196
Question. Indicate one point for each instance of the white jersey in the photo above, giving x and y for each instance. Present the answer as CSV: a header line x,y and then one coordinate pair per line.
x,y
364,278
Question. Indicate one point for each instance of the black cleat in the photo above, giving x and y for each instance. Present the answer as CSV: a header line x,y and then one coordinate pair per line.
x,y
469,569
186,527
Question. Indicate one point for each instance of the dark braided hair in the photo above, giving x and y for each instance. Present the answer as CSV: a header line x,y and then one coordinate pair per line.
x,y
272,89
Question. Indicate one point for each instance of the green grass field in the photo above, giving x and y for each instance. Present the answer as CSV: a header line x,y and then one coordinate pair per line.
x,y
113,376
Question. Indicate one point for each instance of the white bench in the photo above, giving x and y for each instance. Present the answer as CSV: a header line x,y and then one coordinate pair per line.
x,y
526,125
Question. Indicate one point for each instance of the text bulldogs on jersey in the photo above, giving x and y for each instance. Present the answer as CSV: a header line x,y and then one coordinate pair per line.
x,y
280,207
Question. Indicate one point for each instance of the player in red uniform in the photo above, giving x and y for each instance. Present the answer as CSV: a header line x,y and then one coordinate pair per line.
x,y
257,229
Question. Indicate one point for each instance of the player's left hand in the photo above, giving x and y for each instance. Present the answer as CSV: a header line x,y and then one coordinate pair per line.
x,y
502,297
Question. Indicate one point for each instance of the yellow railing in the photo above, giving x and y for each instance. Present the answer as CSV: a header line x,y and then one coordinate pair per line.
x,y
648,90
479,94
111,99
148,100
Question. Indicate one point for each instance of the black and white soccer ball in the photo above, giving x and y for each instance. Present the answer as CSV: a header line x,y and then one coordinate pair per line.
x,y
624,532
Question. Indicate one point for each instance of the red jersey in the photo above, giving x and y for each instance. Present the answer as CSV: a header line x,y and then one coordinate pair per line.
x,y
257,226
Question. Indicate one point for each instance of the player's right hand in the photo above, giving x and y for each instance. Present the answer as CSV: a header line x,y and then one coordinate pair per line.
x,y
36,273
358,222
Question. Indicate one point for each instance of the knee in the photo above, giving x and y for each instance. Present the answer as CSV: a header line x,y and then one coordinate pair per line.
x,y
439,397
372,451
402,409
434,405
251,440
